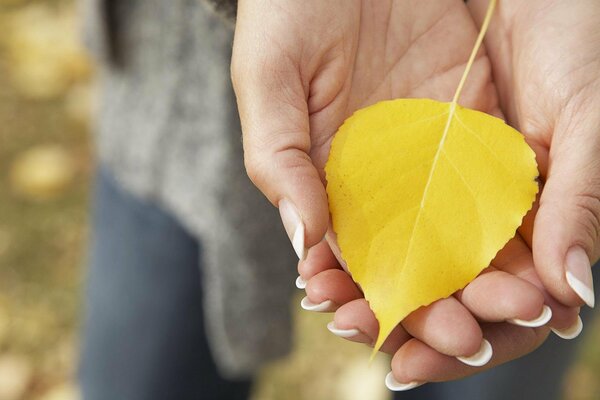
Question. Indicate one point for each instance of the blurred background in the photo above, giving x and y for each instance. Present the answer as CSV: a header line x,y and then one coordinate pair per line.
x,y
46,164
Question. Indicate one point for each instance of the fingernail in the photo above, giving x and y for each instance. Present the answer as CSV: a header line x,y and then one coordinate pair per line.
x,y
572,332
482,357
300,283
396,386
343,333
579,274
293,226
308,305
542,320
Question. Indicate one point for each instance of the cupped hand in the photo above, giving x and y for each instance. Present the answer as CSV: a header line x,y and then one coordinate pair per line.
x,y
300,69
546,63
506,300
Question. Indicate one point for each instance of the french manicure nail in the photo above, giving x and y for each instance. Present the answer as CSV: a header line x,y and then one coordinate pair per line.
x,y
293,226
482,357
396,386
308,305
300,283
579,274
542,320
343,333
572,332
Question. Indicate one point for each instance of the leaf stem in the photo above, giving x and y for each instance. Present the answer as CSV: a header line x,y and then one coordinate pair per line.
x,y
482,32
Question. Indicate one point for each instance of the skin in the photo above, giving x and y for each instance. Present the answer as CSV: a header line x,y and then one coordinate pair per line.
x,y
296,85
562,128
428,338
546,61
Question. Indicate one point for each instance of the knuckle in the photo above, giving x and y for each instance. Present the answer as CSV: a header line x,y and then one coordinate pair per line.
x,y
292,160
255,171
588,204
263,169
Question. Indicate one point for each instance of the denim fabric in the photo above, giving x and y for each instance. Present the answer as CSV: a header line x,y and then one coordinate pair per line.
x,y
144,336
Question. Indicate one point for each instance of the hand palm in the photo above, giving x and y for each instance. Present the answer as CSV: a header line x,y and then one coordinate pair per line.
x,y
301,68
546,61
396,58
391,54
315,64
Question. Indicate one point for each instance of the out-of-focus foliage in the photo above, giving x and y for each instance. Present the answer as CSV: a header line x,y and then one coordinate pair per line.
x,y
44,55
42,172
45,170
323,367
11,2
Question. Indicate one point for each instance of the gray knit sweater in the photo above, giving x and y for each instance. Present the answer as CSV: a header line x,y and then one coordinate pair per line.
x,y
168,130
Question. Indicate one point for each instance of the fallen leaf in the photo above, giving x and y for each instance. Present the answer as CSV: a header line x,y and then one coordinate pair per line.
x,y
358,380
15,376
42,172
45,56
422,196
64,391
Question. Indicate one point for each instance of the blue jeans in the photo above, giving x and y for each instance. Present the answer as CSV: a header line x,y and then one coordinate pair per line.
x,y
144,336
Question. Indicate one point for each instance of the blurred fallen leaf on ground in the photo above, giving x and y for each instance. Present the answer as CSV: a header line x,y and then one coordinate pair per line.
x,y
360,380
42,172
44,52
66,391
15,375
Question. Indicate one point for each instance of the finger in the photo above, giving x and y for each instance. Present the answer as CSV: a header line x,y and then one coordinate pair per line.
x,y
331,238
416,363
516,259
319,258
329,290
356,322
275,125
567,225
497,296
446,326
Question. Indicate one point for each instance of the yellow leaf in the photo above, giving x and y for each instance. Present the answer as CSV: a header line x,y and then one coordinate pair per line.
x,y
422,196
42,172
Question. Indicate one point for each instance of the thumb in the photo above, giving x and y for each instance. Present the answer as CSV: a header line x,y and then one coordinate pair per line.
x,y
566,231
275,125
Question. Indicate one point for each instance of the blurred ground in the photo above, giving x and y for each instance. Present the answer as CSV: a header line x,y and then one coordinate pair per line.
x,y
45,170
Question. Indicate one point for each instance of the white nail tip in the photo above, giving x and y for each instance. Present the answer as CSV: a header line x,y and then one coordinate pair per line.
x,y
300,283
310,306
482,357
542,320
392,384
572,332
343,333
294,227
581,289
298,241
